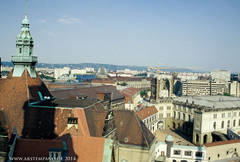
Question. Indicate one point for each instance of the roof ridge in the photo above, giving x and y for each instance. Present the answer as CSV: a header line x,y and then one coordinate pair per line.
x,y
137,118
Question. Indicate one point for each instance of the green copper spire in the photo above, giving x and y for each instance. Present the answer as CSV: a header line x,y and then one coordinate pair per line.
x,y
24,46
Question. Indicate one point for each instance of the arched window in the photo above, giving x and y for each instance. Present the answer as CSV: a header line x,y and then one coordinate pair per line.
x,y
222,124
214,125
174,160
205,138
197,138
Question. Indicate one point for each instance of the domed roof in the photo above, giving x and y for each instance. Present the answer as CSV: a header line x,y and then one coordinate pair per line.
x,y
169,138
25,20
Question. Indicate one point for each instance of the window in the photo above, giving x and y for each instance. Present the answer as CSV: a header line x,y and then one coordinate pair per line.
x,y
168,115
162,153
214,116
234,123
177,152
161,108
229,115
189,117
72,120
169,108
188,153
174,160
239,122
20,50
179,115
198,154
228,123
184,116
174,114
235,114
214,125
223,115
222,124
161,115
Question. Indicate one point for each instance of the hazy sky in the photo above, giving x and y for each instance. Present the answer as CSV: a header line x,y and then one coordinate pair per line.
x,y
201,34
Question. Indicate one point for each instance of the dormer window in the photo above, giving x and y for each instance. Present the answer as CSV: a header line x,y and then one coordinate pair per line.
x,y
55,156
72,122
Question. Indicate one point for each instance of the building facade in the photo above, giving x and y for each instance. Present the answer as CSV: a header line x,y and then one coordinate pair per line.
x,y
202,88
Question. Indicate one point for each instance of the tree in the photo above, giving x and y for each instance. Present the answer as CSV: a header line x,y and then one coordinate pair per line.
x,y
143,93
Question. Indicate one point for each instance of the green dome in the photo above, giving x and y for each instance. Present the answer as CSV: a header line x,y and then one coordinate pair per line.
x,y
169,138
25,20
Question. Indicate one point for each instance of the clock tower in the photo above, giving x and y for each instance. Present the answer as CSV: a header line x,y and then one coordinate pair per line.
x,y
24,49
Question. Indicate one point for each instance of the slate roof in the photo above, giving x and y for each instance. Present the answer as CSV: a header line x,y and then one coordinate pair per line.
x,y
91,92
146,112
211,101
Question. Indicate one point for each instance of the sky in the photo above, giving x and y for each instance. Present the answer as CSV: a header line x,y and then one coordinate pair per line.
x,y
197,34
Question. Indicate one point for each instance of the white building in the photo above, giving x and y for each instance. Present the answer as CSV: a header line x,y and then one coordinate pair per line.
x,y
149,116
170,152
221,75
59,72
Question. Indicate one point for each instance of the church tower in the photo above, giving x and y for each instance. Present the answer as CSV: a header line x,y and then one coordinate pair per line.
x,y
24,49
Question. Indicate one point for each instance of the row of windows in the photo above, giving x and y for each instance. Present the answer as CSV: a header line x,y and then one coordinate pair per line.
x,y
228,115
168,108
188,153
183,116
151,119
228,124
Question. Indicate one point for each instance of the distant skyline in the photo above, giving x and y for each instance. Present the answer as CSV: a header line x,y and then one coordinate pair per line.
x,y
202,34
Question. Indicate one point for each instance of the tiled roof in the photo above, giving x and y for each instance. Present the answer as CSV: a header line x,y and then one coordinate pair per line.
x,y
26,148
130,91
131,130
15,92
80,148
218,143
146,112
86,148
106,81
96,119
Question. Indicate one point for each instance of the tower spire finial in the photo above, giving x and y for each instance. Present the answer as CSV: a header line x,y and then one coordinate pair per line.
x,y
25,15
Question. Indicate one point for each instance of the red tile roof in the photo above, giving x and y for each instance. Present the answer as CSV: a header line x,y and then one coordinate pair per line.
x,y
28,148
15,92
80,148
103,81
86,148
218,143
129,92
146,112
